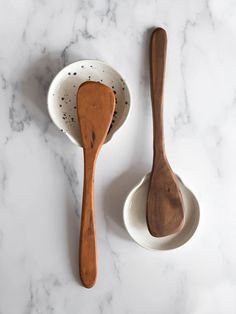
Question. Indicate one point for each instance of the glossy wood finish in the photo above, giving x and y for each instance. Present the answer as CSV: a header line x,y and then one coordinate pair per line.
x,y
95,108
165,213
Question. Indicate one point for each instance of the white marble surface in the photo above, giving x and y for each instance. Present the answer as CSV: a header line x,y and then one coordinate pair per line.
x,y
41,171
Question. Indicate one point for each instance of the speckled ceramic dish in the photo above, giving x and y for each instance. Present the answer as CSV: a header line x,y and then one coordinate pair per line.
x,y
63,89
134,215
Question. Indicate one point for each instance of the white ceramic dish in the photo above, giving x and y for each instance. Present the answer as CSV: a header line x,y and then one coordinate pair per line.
x,y
63,89
134,216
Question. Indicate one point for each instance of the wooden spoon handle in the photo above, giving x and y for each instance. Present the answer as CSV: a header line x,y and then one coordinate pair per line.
x,y
87,254
157,70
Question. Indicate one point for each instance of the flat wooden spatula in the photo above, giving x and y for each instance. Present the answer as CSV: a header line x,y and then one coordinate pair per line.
x,y
165,213
95,108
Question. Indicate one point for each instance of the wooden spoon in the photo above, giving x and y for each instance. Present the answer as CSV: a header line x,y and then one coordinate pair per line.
x,y
95,108
165,213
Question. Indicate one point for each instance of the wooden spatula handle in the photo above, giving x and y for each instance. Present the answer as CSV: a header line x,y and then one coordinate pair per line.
x,y
87,254
157,71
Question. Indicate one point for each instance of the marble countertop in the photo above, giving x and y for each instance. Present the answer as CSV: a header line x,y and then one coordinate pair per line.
x,y
41,170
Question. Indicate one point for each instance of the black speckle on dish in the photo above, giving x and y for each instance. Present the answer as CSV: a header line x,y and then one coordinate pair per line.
x,y
60,105
74,107
63,118
112,87
61,130
91,66
69,73
103,71
73,85
123,88
72,119
101,80
113,121
115,113
114,92
126,102
74,73
82,66
62,98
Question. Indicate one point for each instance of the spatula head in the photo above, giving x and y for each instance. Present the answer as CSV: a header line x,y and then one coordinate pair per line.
x,y
165,213
95,108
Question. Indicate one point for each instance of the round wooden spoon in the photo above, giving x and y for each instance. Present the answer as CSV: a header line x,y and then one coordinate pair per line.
x,y
95,108
165,213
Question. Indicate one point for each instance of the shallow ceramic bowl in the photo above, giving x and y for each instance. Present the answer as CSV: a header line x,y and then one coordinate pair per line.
x,y
63,89
134,215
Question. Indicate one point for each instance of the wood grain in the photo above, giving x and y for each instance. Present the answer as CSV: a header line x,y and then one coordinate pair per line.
x,y
165,213
95,108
